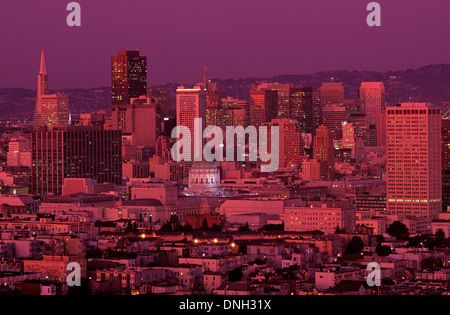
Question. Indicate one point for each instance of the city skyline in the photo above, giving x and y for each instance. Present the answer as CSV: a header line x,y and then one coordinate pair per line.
x,y
179,47
333,183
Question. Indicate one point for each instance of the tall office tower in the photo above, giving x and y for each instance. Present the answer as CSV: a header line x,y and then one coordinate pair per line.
x,y
141,122
324,152
283,90
74,152
317,111
445,134
235,112
381,129
164,101
352,107
163,147
331,93
348,139
359,122
52,111
214,96
263,106
372,98
334,116
301,108
129,77
414,161
191,104
291,148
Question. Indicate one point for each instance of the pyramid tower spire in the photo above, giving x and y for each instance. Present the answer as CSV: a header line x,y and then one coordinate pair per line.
x,y
42,77
43,68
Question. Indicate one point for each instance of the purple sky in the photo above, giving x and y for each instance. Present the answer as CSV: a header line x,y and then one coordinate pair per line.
x,y
234,38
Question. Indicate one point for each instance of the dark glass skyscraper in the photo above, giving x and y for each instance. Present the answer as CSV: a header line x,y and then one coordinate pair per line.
x,y
75,152
129,76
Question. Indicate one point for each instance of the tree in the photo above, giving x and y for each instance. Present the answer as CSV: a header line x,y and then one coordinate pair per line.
x,y
273,227
204,226
440,238
244,228
431,263
355,246
216,228
383,250
166,227
242,249
398,230
235,275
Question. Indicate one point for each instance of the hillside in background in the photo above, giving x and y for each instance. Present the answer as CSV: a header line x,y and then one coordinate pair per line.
x,y
426,84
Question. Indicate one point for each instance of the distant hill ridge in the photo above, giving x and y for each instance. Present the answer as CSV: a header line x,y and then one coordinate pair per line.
x,y
426,84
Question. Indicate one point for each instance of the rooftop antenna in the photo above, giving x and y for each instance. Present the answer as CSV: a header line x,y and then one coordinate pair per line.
x,y
205,74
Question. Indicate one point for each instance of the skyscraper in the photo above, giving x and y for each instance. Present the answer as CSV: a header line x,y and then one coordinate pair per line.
x,y
301,108
291,149
263,106
51,111
348,139
317,111
283,90
191,104
381,129
164,101
445,163
324,152
414,179
74,152
331,93
372,98
215,114
129,77
334,116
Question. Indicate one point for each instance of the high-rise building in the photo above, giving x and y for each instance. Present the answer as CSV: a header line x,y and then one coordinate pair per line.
x,y
52,110
214,110
263,106
334,117
331,93
352,107
372,98
129,77
324,152
311,170
283,90
164,101
445,134
290,146
414,161
191,104
348,139
381,129
359,122
235,112
317,111
74,152
301,108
